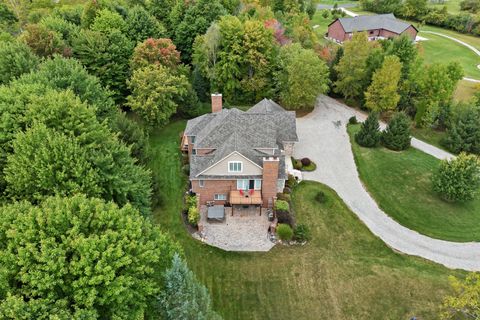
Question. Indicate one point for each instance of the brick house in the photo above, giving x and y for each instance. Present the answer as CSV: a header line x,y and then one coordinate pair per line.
x,y
238,157
382,26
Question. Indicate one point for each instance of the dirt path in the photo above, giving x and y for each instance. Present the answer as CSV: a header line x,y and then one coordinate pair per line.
x,y
323,137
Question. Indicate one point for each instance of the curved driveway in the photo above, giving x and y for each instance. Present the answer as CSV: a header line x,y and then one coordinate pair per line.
x,y
323,137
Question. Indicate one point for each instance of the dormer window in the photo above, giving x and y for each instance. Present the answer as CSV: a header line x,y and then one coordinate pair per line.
x,y
235,166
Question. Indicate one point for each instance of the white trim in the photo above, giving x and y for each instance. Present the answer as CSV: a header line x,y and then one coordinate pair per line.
x,y
255,184
243,184
234,152
223,197
201,183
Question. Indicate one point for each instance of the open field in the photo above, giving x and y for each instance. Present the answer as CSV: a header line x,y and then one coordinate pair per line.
x,y
453,6
400,183
440,49
343,273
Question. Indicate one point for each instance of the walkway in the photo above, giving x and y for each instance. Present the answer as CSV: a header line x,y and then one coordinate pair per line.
x,y
329,146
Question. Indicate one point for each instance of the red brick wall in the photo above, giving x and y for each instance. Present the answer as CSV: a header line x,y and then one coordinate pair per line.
x,y
216,102
336,31
388,34
270,177
211,187
410,31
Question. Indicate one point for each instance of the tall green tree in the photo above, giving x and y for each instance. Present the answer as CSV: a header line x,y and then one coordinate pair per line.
x,y
184,297
141,25
369,135
43,42
107,56
382,94
351,70
95,261
464,132
105,21
196,20
397,134
301,77
16,59
156,93
436,85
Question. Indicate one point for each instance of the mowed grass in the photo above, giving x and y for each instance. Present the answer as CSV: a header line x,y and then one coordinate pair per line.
x,y
453,6
442,50
465,90
343,273
400,182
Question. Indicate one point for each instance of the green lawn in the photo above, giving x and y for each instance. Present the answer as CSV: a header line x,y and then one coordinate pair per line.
x,y
400,183
453,6
440,49
343,273
430,136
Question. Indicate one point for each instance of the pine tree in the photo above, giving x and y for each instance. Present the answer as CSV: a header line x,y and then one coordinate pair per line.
x,y
464,133
369,135
397,134
184,297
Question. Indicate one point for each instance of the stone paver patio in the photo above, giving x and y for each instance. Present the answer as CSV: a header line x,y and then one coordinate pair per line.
x,y
246,230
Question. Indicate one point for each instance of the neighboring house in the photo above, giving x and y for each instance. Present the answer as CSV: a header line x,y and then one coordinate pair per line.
x,y
382,26
238,157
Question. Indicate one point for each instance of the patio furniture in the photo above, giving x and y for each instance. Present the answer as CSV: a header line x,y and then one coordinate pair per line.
x,y
216,212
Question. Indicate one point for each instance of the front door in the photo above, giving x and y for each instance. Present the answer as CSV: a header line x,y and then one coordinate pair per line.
x,y
251,184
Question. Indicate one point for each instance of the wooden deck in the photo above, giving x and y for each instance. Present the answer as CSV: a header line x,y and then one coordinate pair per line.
x,y
247,198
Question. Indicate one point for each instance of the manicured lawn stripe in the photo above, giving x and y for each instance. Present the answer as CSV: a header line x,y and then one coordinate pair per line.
x,y
343,273
400,183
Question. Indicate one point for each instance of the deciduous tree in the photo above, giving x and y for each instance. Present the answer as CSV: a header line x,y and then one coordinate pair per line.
x,y
382,94
465,301
44,42
156,92
80,258
301,77
141,25
105,21
155,51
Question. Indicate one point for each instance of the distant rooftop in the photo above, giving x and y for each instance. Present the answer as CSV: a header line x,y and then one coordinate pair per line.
x,y
380,21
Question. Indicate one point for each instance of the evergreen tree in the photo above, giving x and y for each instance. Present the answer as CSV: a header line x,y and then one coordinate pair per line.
x,y
141,25
16,59
369,134
382,93
464,133
397,135
184,297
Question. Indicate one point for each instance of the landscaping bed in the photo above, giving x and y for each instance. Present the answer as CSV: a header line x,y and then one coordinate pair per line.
x,y
400,182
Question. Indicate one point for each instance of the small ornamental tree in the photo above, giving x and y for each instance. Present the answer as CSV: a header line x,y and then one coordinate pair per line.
x,y
458,179
184,297
369,134
80,258
397,135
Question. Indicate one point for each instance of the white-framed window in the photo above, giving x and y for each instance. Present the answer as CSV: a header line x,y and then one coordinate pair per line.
x,y
258,184
201,183
235,166
242,184
220,197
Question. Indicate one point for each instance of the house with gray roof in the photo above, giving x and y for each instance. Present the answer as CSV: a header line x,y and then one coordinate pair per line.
x,y
238,157
381,26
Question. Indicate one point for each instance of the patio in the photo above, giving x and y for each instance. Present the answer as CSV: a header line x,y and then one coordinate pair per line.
x,y
245,230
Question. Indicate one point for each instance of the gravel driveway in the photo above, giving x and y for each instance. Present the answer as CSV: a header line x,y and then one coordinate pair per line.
x,y
323,138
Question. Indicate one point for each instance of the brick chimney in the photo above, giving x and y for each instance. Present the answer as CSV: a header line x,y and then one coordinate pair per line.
x,y
270,177
216,102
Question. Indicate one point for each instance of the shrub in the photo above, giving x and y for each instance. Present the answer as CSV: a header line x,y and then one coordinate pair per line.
x,y
353,120
284,232
297,164
190,201
193,216
321,197
284,217
283,196
287,190
306,161
282,205
302,233
291,182
369,135
397,135
458,179
186,169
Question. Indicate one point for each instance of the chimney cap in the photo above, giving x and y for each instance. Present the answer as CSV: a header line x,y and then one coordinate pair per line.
x,y
216,94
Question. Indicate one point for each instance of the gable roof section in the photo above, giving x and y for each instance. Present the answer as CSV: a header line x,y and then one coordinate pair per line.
x,y
380,21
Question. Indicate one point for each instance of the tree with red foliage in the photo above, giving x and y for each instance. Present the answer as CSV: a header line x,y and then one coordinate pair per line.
x,y
155,51
278,31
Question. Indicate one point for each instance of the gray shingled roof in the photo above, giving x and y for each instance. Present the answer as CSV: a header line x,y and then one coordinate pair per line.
x,y
265,125
380,21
